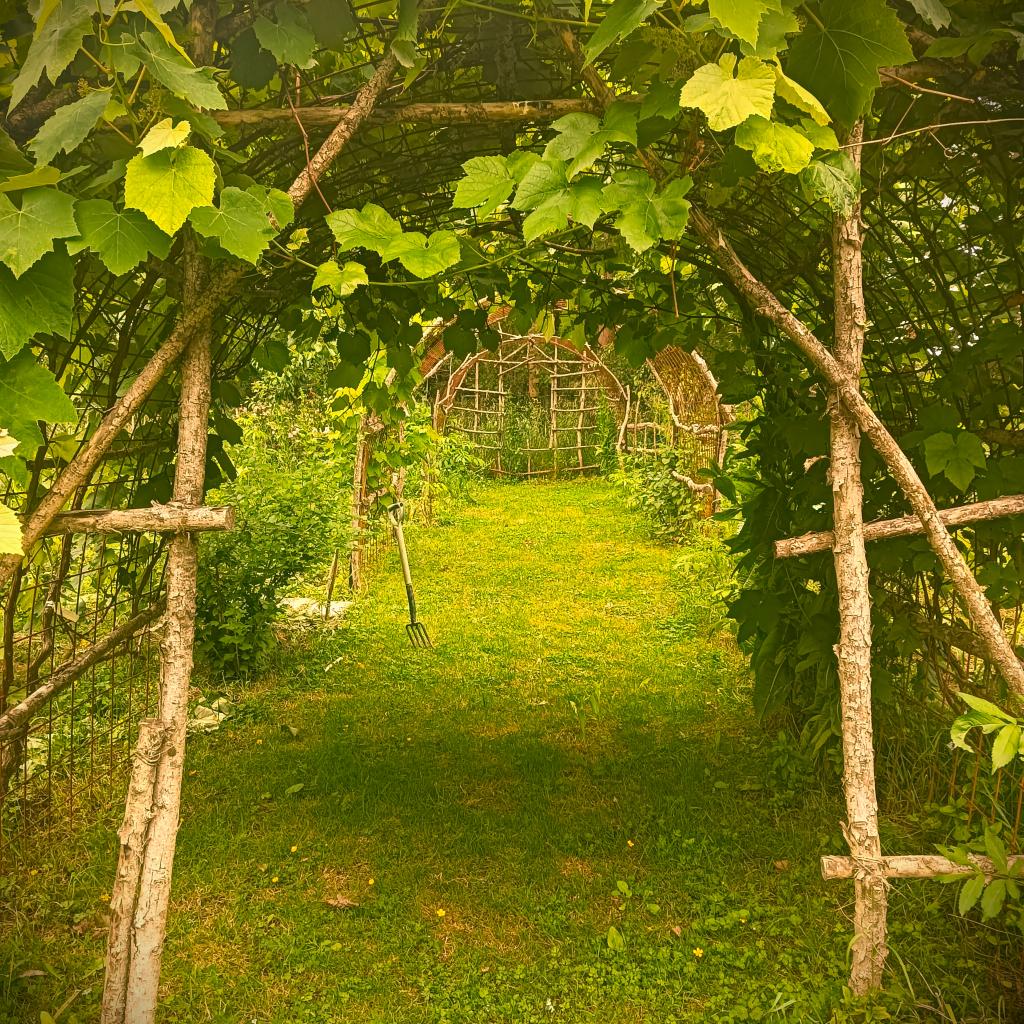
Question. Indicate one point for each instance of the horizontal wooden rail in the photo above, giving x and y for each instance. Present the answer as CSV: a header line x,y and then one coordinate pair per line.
x,y
414,113
15,719
924,866
884,529
154,519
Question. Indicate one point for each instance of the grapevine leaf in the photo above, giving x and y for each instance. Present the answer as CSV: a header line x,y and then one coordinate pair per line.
x,y
28,232
542,181
39,302
239,224
741,17
252,67
33,179
776,147
56,41
152,14
403,44
341,280
164,135
29,393
121,238
10,532
290,39
623,17
727,99
834,180
837,58
793,92
277,205
582,138
168,185
370,228
775,26
424,256
172,71
933,11
486,185
646,215
65,130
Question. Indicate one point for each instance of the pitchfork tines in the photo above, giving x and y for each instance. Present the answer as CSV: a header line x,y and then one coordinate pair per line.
x,y
418,635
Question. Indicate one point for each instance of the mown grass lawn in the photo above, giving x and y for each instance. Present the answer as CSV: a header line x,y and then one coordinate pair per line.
x,y
565,812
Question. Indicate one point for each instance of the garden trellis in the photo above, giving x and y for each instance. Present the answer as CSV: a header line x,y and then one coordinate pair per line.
x,y
579,187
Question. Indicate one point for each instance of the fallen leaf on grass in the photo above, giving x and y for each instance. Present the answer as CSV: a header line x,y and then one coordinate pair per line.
x,y
341,903
32,974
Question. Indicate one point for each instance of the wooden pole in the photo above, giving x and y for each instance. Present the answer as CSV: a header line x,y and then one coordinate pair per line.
x,y
155,519
853,653
905,526
911,866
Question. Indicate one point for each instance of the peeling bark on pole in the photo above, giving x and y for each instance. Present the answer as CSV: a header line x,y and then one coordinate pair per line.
x,y
915,866
154,519
853,652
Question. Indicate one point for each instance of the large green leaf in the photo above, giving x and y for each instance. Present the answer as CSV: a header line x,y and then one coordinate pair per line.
x,y
168,185
646,216
28,231
775,146
69,127
239,224
544,180
177,74
289,39
728,94
582,138
39,302
742,17
833,180
623,17
29,393
121,238
487,184
837,56
370,228
56,41
423,256
341,280
165,134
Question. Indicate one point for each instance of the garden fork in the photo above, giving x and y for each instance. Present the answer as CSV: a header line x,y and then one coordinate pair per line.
x,y
418,635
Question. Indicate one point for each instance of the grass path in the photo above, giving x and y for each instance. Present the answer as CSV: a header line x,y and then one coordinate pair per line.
x,y
562,813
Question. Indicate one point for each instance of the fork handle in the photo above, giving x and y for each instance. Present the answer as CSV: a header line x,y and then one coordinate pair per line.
x,y
412,604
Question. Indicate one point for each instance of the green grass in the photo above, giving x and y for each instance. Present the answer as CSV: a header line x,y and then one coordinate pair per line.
x,y
577,754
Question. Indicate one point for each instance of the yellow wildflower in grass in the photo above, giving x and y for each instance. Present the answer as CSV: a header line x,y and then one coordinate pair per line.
x,y
294,849
698,952
629,843
440,912
275,879
369,881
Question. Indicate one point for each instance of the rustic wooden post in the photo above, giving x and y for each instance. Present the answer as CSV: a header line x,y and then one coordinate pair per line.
x,y
853,652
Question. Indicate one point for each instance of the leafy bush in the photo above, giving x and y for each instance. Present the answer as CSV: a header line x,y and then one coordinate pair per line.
x,y
291,499
651,488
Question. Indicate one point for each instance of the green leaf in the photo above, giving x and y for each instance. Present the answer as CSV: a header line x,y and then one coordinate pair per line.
x,y
993,898
164,135
741,17
403,43
776,147
935,12
775,26
970,893
177,74
65,130
28,232
623,17
646,215
62,28
370,228
39,302
834,180
239,224
153,16
615,941
727,99
837,56
424,256
252,67
168,185
956,457
10,532
542,181
277,205
1005,746
582,138
486,185
341,280
986,707
290,39
801,98
121,238
29,393
33,179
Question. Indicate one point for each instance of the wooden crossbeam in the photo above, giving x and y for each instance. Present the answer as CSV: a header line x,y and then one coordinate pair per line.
x,y
170,518
884,529
913,866
523,111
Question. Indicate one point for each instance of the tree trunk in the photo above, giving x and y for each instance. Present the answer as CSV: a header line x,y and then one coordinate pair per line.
x,y
853,652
